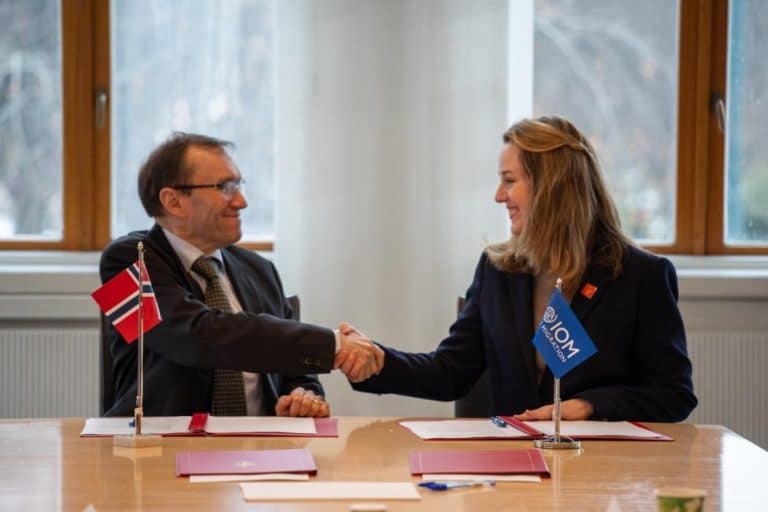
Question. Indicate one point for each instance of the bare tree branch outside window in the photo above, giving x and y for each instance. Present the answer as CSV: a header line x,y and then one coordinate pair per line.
x,y
30,120
611,67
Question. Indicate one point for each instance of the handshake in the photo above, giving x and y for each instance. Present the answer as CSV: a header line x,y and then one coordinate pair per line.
x,y
358,357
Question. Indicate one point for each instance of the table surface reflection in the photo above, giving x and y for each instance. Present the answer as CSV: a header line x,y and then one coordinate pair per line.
x,y
45,465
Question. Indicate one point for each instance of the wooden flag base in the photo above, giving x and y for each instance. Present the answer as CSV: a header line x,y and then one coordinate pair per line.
x,y
137,453
557,443
140,441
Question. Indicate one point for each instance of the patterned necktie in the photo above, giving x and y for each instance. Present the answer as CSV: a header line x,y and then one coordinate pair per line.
x,y
228,397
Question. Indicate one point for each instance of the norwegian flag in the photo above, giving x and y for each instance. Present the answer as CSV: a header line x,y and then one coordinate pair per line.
x,y
118,299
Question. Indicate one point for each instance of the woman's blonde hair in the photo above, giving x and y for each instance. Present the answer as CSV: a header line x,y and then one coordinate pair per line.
x,y
571,219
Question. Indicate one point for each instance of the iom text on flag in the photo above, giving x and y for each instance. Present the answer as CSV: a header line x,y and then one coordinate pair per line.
x,y
558,335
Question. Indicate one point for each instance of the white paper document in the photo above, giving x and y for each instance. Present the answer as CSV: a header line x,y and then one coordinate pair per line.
x,y
169,425
448,477
243,424
487,429
207,479
294,491
149,425
593,428
461,429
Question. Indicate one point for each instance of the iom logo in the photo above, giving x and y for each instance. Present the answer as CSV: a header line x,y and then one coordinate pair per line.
x,y
561,339
558,335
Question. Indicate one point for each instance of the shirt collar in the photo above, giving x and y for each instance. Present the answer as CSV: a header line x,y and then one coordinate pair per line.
x,y
188,253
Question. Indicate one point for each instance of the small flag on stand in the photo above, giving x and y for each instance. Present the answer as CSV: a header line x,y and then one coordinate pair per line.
x,y
118,299
560,338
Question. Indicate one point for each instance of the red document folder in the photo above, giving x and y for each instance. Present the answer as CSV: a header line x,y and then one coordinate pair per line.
x,y
245,462
496,462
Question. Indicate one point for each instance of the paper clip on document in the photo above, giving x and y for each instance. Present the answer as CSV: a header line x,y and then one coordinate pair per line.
x,y
498,422
444,486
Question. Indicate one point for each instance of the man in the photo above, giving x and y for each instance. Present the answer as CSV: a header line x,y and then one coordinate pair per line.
x,y
224,312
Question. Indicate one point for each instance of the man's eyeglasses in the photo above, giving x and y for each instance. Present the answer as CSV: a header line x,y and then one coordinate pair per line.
x,y
228,188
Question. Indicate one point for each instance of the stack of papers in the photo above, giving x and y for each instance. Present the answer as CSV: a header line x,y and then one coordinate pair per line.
x,y
233,425
274,491
515,429
203,424
600,430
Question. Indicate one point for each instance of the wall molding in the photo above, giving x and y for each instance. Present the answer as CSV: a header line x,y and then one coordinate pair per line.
x,y
49,285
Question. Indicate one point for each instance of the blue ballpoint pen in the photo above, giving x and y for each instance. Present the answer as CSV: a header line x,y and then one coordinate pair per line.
x,y
444,486
498,422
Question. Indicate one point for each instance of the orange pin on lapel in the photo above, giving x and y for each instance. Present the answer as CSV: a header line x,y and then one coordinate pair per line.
x,y
588,290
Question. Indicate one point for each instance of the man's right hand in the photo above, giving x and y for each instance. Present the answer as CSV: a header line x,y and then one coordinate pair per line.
x,y
358,356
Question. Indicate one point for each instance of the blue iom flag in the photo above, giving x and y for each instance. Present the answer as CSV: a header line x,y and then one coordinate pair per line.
x,y
560,338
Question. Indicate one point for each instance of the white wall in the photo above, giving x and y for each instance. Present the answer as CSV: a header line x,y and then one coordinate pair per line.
x,y
390,117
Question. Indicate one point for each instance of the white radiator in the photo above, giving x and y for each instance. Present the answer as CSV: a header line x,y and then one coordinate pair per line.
x,y
49,372
53,372
730,373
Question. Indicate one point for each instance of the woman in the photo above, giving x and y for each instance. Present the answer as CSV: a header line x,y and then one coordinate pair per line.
x,y
564,224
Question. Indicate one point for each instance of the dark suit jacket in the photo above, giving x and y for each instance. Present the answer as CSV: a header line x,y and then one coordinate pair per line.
x,y
640,372
181,352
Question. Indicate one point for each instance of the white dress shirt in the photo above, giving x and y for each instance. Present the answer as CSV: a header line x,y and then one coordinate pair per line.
x,y
188,254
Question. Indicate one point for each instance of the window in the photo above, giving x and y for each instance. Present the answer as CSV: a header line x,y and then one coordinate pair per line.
x,y
88,89
746,153
204,67
732,149
672,93
30,121
651,80
611,67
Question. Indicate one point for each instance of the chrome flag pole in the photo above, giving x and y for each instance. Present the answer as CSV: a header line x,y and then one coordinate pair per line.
x,y
138,439
138,412
556,441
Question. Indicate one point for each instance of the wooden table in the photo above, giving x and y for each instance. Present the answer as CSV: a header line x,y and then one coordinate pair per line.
x,y
45,465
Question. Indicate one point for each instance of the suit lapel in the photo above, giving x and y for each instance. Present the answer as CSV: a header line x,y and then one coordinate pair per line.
x,y
597,279
163,249
246,290
241,282
521,310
